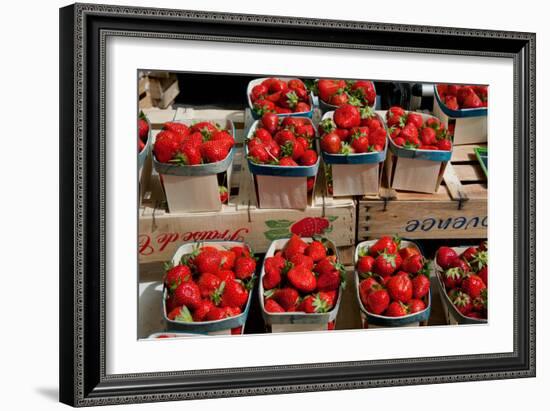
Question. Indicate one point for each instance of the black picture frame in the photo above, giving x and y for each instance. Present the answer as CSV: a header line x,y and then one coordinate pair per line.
x,y
83,30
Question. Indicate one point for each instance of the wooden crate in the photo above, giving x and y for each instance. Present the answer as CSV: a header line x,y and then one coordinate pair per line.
x,y
457,210
157,89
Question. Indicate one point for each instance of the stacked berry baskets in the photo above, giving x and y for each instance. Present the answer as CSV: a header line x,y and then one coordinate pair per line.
x,y
207,288
301,285
392,283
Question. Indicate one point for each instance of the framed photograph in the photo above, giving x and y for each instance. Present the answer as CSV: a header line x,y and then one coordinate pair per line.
x,y
309,206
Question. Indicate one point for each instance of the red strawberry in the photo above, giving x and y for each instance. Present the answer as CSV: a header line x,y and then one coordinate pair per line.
x,y
306,131
344,134
394,115
360,144
303,142
310,184
215,313
444,145
409,133
365,287
452,277
309,226
270,121
329,296
177,275
409,251
365,264
303,260
262,106
416,306
258,91
206,128
170,303
400,287
244,267
331,143
445,255
293,149
287,162
284,136
468,254
309,158
378,137
302,279
462,302
262,134
208,260
479,260
316,250
214,151
287,298
208,285
271,306
396,309
178,128
302,107
347,116
225,275
143,129
200,312
227,260
483,275
384,244
224,137
234,295
480,303
330,280
314,304
240,251
327,88
451,102
377,300
188,155
413,264
188,294
364,90
180,314
386,264
427,136
295,245
415,119
473,285
460,263
224,194
421,286
259,154
167,145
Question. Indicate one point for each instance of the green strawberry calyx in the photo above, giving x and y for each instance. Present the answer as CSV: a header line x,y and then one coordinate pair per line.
x,y
216,295
184,315
320,304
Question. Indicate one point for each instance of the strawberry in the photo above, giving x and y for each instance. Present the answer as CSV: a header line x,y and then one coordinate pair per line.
x,y
327,88
303,260
258,92
365,91
360,144
244,267
415,119
473,285
259,154
330,280
170,302
347,116
377,137
208,285
272,276
306,131
331,143
188,294
396,309
400,287
240,251
188,155
384,244
460,263
206,128
287,162
329,297
167,145
444,257
413,264
452,277
309,158
310,184
302,279
262,106
416,306
293,149
223,136
143,129
326,126
421,286
177,275
234,294
215,314
193,139
202,309
314,304
228,258
263,134
394,116
225,275
479,260
208,260
366,286
483,275
287,298
462,302
444,145
214,151
480,303
224,194
295,245
309,226
178,128
316,250
181,314
386,264
451,102
427,136
410,134
271,306
303,142
270,121
365,264
468,254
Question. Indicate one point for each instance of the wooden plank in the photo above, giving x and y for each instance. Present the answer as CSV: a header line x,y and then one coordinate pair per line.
x,y
143,85
453,184
169,95
155,89
469,172
421,219
465,153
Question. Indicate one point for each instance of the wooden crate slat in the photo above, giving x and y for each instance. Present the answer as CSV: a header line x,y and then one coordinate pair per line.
x,y
453,184
469,172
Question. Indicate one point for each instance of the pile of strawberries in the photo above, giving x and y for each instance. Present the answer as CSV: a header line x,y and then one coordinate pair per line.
x,y
274,95
394,281
340,92
465,279
209,284
457,97
143,132
302,277
203,142
352,130
409,130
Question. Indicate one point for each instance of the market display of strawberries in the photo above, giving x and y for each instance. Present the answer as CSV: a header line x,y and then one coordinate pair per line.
x,y
302,277
465,279
394,279
209,284
143,132
458,97
274,95
352,130
409,130
339,92
285,142
203,142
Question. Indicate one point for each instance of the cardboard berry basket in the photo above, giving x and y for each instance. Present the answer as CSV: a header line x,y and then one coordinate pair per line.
x,y
297,321
416,170
257,81
373,320
280,186
452,315
326,107
143,154
470,124
196,188
224,326
356,173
